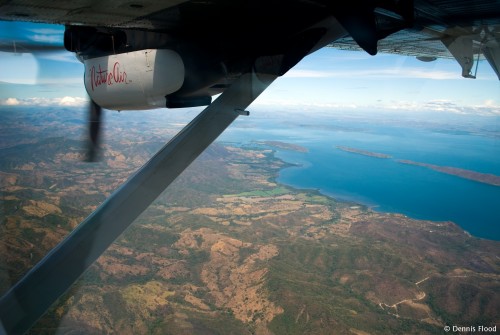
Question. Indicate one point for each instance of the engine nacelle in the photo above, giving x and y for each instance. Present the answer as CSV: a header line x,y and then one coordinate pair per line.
x,y
134,80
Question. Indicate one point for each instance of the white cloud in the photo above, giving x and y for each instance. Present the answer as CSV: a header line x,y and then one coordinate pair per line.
x,y
72,101
381,73
46,102
50,39
47,31
47,35
415,73
489,108
489,103
12,102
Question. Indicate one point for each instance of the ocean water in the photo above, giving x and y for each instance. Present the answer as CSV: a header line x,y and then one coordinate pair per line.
x,y
465,142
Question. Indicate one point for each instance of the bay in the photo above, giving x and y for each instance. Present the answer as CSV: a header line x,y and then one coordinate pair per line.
x,y
471,143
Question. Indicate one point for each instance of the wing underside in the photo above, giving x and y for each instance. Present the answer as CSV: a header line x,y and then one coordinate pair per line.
x,y
143,14
463,30
437,23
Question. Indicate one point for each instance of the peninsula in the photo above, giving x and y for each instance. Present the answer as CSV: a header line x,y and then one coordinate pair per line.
x,y
485,178
285,146
363,152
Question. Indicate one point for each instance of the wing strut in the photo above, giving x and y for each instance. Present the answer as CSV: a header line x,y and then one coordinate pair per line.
x,y
29,299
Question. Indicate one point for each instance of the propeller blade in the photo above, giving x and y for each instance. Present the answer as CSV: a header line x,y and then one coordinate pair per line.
x,y
27,47
95,116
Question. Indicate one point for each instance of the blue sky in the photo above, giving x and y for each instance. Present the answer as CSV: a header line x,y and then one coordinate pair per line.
x,y
327,79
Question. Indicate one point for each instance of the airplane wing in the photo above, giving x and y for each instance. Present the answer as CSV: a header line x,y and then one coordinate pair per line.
x,y
467,31
149,14
428,29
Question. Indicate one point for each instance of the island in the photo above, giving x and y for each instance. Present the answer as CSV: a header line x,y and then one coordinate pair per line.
x,y
363,152
486,178
285,146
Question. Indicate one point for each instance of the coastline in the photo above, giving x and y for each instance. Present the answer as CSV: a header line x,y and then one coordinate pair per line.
x,y
485,178
357,200
363,152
